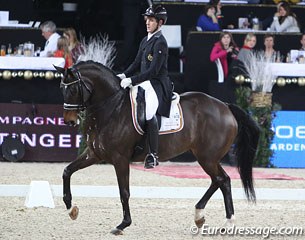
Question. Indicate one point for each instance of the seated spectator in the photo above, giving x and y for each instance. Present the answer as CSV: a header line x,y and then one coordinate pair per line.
x,y
246,50
302,42
270,53
284,20
266,22
63,51
208,20
74,45
48,31
244,56
226,50
219,16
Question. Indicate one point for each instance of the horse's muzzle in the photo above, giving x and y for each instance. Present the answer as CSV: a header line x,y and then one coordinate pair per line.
x,y
70,118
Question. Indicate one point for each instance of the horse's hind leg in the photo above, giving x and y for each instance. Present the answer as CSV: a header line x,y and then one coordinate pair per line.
x,y
218,178
225,188
79,163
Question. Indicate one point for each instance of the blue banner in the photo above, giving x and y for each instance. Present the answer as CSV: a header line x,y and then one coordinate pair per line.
x,y
289,140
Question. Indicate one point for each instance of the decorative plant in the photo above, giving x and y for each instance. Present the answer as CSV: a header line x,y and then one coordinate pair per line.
x,y
264,117
258,68
257,101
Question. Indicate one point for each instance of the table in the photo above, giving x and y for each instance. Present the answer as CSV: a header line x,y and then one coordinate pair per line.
x,y
30,63
36,87
247,30
288,69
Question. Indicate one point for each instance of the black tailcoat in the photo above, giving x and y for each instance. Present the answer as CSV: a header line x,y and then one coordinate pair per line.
x,y
151,64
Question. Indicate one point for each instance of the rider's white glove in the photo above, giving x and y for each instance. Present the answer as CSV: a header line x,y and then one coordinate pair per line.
x,y
126,82
122,76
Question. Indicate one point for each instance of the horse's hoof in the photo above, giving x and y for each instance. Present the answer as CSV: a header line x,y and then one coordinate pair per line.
x,y
117,231
199,222
199,217
73,213
230,222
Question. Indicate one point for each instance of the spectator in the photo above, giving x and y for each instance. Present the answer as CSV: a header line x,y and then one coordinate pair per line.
x,y
302,42
244,56
270,53
266,23
48,31
63,51
219,16
74,45
208,21
284,20
245,51
226,50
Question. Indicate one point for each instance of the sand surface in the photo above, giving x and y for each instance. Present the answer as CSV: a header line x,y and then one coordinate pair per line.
x,y
152,218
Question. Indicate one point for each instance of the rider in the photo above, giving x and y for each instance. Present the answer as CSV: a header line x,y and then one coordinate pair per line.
x,y
149,70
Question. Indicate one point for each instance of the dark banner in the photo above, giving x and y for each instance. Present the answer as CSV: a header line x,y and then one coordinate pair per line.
x,y
41,129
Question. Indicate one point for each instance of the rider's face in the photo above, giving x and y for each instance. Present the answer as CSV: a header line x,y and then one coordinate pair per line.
x,y
151,24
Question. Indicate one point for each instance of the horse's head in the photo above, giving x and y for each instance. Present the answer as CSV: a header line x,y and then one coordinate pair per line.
x,y
76,92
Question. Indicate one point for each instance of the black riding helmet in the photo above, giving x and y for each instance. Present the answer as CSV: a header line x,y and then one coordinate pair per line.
x,y
157,12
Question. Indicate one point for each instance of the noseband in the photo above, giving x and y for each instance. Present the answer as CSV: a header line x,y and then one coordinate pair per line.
x,y
80,106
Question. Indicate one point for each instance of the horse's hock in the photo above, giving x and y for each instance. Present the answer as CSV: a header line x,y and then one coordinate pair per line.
x,y
261,99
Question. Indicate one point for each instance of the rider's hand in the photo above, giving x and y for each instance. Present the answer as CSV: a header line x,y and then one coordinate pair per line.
x,y
126,82
121,75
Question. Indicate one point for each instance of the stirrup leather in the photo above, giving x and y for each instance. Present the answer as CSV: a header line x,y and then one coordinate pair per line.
x,y
151,161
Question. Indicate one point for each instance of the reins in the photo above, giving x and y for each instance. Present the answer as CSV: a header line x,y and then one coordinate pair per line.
x,y
99,106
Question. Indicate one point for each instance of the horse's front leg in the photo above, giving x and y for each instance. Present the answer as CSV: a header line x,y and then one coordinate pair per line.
x,y
82,161
122,172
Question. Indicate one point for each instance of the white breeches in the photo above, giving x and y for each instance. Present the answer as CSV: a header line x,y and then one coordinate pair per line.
x,y
151,99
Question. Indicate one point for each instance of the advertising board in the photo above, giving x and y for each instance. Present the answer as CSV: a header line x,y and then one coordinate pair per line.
x,y
41,129
289,140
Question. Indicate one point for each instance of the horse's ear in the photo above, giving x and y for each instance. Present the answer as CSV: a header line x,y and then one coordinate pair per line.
x,y
59,69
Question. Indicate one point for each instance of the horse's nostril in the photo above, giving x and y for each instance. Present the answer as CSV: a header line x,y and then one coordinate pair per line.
x,y
70,123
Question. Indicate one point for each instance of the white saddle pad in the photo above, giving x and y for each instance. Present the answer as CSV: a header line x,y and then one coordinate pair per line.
x,y
169,125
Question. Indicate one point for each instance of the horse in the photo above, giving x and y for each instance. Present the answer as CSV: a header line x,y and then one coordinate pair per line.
x,y
211,127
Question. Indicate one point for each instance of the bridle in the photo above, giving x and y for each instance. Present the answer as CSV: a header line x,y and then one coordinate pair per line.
x,y
81,86
81,83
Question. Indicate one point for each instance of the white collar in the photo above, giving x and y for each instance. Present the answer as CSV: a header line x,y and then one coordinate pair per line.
x,y
149,35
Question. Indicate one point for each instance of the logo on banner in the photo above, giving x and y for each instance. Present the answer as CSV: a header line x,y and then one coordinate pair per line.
x,y
289,140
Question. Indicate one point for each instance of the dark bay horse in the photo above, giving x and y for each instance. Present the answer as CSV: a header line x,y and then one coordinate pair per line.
x,y
210,128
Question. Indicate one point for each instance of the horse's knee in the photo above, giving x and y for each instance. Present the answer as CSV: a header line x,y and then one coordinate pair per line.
x,y
66,173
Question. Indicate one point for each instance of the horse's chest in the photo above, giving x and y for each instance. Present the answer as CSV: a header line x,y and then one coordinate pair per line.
x,y
97,141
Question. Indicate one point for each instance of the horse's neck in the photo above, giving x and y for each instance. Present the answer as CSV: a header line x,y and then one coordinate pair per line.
x,y
99,115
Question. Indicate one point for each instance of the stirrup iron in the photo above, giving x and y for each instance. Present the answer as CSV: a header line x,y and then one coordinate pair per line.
x,y
151,161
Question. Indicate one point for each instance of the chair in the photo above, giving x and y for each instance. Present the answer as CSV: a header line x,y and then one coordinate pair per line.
x,y
172,34
220,71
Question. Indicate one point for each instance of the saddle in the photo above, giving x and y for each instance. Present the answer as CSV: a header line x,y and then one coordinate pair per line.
x,y
169,125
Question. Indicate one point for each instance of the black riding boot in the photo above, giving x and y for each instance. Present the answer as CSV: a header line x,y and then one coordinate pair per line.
x,y
151,159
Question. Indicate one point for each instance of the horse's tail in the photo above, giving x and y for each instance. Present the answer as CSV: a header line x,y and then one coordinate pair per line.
x,y
245,148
